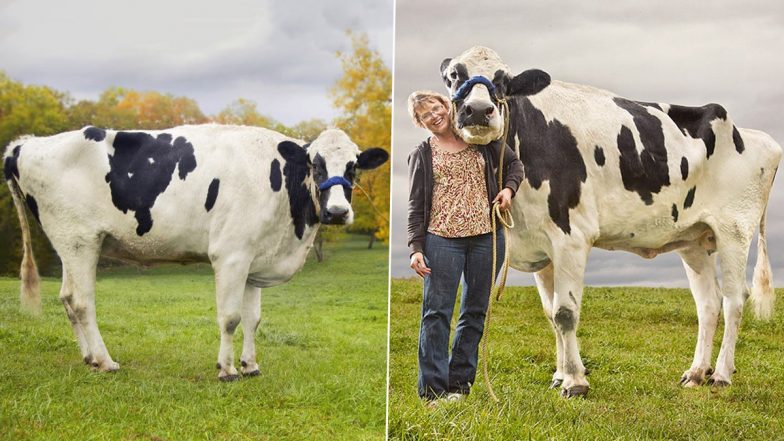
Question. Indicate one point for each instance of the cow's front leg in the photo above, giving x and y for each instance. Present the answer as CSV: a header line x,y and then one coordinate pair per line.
x,y
230,276
544,284
251,314
569,267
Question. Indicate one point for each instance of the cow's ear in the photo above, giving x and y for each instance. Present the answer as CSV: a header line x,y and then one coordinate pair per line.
x,y
293,153
372,158
444,65
529,82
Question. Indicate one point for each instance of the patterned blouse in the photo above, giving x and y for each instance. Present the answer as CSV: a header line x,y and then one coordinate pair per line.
x,y
460,207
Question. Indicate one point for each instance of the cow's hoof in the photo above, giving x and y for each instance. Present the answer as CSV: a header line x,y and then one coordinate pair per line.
x,y
111,366
228,378
718,383
255,373
578,391
557,382
88,360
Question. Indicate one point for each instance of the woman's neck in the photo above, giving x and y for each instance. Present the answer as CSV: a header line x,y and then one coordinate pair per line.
x,y
449,142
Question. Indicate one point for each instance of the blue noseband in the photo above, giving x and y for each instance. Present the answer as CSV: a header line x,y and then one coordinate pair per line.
x,y
335,180
465,88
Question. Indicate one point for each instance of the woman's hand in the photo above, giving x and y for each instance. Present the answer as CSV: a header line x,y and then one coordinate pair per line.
x,y
504,199
418,264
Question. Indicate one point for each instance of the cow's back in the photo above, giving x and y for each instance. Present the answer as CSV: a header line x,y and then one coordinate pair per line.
x,y
630,173
164,195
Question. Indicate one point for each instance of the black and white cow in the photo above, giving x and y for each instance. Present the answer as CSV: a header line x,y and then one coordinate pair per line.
x,y
246,199
604,171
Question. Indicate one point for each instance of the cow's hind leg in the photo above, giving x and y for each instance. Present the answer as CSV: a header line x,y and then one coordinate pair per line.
x,y
66,297
230,276
80,260
701,271
733,252
569,262
544,284
251,314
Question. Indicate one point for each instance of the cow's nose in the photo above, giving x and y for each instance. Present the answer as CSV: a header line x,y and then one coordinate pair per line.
x,y
338,211
476,114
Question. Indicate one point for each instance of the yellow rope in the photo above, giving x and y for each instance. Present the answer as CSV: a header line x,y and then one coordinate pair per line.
x,y
507,221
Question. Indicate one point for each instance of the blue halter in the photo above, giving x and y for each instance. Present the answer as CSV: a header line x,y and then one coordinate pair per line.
x,y
465,88
335,180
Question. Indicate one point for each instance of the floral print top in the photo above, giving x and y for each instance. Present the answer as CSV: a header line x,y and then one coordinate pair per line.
x,y
460,207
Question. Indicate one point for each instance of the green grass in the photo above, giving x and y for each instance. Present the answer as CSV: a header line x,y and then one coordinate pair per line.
x,y
636,341
321,347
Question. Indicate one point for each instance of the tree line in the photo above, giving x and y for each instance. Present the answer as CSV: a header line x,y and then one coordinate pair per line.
x,y
362,95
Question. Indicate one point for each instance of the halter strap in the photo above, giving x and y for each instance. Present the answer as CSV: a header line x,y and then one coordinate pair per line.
x,y
335,180
466,87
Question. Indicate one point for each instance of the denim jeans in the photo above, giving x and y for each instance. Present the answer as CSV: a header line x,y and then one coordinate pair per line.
x,y
448,260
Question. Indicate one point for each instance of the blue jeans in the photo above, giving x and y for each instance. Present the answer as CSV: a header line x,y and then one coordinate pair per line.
x,y
448,260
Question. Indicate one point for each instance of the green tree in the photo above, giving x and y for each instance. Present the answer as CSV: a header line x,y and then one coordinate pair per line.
x,y
363,95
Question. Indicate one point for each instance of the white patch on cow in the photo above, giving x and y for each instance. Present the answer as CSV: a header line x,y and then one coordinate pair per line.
x,y
130,175
479,61
338,150
151,161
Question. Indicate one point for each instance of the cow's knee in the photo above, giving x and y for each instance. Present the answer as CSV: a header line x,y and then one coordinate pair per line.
x,y
229,323
565,319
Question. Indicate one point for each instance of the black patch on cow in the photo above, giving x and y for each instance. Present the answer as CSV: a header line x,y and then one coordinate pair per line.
x,y
349,174
571,296
529,82
275,177
549,152
645,172
94,134
696,122
598,156
674,213
33,206
564,318
654,105
212,194
297,168
631,235
689,198
737,140
684,168
141,170
10,165
458,76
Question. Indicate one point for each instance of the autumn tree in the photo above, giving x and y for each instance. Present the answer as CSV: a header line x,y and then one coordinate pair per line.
x,y
243,112
26,110
363,96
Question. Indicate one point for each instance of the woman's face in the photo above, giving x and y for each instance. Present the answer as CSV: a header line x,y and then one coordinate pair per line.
x,y
434,116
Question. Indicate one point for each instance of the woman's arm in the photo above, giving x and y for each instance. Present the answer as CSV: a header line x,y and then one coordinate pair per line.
x,y
416,202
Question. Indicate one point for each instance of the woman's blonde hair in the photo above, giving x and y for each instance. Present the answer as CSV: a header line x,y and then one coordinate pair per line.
x,y
420,97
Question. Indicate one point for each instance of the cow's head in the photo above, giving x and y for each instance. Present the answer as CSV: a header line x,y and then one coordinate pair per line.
x,y
476,81
334,160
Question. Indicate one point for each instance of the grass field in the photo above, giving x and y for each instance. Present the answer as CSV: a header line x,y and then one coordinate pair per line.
x,y
321,345
636,342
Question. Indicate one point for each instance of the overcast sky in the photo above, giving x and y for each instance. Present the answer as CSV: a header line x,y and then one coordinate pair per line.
x,y
689,53
280,54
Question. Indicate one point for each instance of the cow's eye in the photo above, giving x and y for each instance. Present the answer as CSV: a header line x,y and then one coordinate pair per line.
x,y
453,75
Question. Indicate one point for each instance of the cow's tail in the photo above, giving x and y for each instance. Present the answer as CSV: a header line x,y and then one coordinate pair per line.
x,y
30,294
762,295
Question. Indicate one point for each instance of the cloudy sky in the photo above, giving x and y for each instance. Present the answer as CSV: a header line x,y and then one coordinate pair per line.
x,y
280,54
689,53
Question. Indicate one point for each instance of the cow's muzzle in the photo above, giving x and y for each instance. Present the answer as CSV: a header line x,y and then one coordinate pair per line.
x,y
335,214
475,114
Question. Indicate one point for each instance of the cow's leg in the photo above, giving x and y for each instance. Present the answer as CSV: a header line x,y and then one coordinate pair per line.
x,y
569,262
544,284
701,271
230,276
66,297
733,252
78,293
251,314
